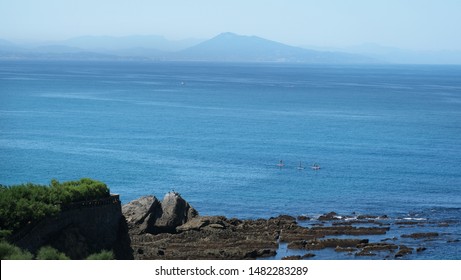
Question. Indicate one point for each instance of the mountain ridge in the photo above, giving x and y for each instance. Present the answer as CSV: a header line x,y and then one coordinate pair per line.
x,y
229,46
225,47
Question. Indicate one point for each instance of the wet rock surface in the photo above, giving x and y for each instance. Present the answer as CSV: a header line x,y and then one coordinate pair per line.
x,y
172,229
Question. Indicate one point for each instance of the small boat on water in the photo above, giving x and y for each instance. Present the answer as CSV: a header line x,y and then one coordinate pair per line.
x,y
315,166
280,164
300,166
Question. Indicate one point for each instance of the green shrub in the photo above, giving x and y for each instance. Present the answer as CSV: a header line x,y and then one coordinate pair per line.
x,y
11,252
50,253
25,204
103,255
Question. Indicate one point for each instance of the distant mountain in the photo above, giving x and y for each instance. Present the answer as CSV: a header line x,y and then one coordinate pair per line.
x,y
398,55
238,48
145,42
10,51
228,47
225,47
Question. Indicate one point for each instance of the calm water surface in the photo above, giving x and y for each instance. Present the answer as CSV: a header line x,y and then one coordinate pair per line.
x,y
387,138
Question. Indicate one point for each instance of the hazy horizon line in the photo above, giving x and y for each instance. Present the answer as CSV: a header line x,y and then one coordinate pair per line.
x,y
329,47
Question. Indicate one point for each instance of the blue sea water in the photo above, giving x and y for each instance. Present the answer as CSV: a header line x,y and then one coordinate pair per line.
x,y
387,137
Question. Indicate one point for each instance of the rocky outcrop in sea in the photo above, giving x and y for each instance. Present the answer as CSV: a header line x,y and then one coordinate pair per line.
x,y
172,229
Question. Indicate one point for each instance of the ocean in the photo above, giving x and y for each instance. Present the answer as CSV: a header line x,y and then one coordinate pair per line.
x,y
387,137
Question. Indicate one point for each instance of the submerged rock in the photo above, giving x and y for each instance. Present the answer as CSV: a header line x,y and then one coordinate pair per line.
x,y
419,235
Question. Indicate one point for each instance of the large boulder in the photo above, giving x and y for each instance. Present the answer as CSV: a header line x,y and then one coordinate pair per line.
x,y
148,215
175,212
142,213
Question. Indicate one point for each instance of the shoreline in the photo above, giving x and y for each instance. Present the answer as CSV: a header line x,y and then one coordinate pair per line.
x,y
171,229
329,236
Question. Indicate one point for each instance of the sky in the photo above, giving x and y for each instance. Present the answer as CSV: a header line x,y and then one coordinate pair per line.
x,y
409,24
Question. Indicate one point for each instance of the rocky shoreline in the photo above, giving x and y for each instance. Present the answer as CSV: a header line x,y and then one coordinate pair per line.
x,y
173,230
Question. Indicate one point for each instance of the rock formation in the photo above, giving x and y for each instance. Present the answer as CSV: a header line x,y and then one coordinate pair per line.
x,y
148,215
141,214
175,212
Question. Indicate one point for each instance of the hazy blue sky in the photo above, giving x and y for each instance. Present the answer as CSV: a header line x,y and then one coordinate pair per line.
x,y
413,24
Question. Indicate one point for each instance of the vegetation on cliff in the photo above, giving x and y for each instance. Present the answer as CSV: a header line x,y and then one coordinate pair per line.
x,y
25,204
11,252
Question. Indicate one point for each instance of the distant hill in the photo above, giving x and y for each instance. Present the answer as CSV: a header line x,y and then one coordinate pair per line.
x,y
226,47
237,48
398,55
145,42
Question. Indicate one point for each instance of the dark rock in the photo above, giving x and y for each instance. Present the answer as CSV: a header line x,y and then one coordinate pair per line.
x,y
308,256
408,222
297,257
318,244
300,244
420,249
262,253
378,246
363,217
329,217
404,250
345,249
349,230
390,239
303,218
420,235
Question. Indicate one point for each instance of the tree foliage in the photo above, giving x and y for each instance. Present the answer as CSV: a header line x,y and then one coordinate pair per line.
x,y
50,253
25,204
11,252
103,255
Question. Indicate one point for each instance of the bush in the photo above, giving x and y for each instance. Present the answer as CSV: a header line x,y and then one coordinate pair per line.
x,y
50,253
26,204
104,255
11,252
